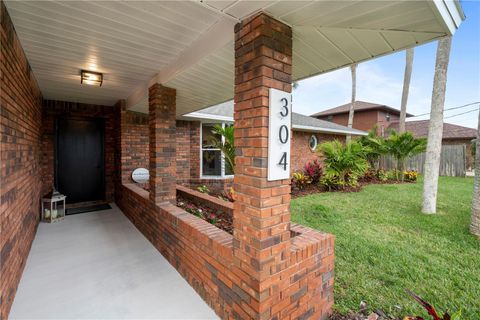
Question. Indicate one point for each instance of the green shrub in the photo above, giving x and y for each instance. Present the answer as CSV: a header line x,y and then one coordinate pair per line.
x,y
203,189
411,175
403,146
300,180
382,175
374,146
343,164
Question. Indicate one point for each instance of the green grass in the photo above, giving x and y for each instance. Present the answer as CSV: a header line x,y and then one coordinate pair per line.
x,y
384,245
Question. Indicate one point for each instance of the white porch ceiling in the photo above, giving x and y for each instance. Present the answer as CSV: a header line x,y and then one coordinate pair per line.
x,y
188,45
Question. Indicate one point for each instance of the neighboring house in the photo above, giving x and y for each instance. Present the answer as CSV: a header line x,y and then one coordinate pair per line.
x,y
367,115
452,134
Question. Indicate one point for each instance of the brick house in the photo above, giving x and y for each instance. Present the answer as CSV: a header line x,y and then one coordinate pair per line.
x,y
367,115
452,134
85,85
307,133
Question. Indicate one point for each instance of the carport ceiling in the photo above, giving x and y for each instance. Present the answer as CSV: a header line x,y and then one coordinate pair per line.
x,y
188,45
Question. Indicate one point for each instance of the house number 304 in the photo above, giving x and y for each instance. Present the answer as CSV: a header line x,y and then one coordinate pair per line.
x,y
279,135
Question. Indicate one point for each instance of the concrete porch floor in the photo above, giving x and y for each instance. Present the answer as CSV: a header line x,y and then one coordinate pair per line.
x,y
97,265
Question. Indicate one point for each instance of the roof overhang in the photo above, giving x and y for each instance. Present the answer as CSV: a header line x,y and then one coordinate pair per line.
x,y
327,113
206,117
188,45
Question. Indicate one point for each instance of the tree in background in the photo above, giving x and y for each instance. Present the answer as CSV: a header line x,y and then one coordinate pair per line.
x,y
351,112
403,146
225,143
435,128
406,88
475,225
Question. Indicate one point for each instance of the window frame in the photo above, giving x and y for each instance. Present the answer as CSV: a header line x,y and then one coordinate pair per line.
x,y
316,142
222,175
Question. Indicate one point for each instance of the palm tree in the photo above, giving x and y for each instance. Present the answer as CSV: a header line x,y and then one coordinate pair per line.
x,y
435,128
353,69
406,88
475,225
225,143
403,146
374,146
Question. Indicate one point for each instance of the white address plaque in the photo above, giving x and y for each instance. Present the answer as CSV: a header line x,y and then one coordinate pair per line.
x,y
279,135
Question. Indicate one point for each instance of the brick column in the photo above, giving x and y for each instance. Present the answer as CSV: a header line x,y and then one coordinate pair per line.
x,y
263,60
162,128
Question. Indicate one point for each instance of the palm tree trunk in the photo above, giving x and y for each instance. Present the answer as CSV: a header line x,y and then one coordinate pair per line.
x,y
435,128
475,225
353,68
406,88
401,169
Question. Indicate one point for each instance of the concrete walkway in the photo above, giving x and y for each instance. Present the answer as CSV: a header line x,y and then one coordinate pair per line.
x,y
97,265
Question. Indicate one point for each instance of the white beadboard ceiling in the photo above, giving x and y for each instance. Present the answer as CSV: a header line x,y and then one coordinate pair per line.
x,y
188,45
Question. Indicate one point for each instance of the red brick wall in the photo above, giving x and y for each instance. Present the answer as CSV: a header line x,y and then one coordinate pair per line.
x,y
20,126
52,110
365,120
362,120
184,154
195,149
162,139
134,143
301,152
383,123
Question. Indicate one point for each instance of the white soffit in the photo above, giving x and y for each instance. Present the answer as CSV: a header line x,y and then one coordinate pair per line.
x,y
188,45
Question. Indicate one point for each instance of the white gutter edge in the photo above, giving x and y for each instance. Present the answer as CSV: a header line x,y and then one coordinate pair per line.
x,y
203,116
450,12
327,130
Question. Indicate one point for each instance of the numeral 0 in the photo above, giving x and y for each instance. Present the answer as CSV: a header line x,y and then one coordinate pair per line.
x,y
283,134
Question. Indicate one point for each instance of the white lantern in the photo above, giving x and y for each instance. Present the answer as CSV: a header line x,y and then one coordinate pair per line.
x,y
53,207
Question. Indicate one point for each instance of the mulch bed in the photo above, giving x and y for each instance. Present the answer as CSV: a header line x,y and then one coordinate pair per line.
x,y
361,316
218,218
313,188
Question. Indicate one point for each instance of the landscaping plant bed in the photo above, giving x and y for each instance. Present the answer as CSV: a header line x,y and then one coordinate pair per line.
x,y
218,218
313,189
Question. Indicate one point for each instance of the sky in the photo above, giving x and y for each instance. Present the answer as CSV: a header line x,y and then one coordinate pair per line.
x,y
381,80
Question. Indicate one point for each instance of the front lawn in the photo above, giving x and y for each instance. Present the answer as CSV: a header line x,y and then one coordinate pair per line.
x,y
384,245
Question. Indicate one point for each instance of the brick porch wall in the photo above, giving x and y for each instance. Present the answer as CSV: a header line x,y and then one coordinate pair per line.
x,y
203,255
20,127
52,110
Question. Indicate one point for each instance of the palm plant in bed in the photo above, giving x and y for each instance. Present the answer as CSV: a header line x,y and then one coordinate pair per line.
x,y
223,139
344,163
403,146
374,147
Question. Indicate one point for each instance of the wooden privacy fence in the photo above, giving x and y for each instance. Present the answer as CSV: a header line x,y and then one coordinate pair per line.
x,y
453,161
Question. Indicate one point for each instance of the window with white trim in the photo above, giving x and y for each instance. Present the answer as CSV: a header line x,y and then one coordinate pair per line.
x,y
213,164
313,142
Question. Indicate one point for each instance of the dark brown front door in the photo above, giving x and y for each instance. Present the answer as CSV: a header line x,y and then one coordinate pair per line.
x,y
79,159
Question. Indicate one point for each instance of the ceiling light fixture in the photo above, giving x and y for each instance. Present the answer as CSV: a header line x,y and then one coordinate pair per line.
x,y
91,78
